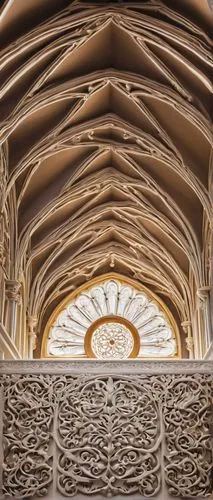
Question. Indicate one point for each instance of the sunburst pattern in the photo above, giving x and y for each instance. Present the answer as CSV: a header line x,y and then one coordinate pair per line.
x,y
111,298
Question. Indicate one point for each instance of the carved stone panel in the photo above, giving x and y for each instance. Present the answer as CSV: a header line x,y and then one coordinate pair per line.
x,y
109,438
28,418
187,413
116,435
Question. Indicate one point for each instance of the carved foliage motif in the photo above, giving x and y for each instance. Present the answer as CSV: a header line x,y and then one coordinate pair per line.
x,y
110,439
187,416
107,435
28,414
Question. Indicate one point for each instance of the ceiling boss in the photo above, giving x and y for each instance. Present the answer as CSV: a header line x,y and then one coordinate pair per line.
x,y
111,320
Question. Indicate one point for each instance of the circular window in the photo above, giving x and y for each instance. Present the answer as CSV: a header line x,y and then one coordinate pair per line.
x,y
111,337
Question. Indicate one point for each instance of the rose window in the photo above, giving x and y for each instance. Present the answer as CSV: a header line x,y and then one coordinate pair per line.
x,y
112,320
112,338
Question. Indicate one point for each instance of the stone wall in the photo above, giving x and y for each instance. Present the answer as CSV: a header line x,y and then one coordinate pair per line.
x,y
106,429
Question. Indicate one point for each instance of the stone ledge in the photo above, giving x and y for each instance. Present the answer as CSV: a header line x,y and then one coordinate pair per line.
x,y
92,366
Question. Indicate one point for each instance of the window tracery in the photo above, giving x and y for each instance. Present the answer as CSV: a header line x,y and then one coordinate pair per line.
x,y
112,320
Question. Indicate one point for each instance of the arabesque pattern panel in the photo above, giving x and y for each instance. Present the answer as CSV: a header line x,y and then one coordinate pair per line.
x,y
107,434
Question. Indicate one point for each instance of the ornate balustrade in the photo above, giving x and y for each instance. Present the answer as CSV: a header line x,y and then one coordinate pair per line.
x,y
134,429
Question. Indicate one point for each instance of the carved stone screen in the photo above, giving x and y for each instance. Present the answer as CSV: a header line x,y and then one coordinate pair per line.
x,y
143,327
109,435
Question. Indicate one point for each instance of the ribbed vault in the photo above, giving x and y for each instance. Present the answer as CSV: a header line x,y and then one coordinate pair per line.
x,y
106,152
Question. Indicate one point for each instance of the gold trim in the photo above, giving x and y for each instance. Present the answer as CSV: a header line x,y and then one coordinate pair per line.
x,y
111,319
100,279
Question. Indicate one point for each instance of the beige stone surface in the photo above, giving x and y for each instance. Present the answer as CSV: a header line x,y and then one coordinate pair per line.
x,y
135,433
105,158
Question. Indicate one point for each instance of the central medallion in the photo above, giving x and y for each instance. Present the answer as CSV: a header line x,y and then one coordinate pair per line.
x,y
112,337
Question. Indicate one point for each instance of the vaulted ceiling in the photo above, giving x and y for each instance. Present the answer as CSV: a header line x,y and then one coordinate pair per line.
x,y
106,137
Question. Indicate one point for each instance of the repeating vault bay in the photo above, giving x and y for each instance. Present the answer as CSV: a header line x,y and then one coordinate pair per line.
x,y
106,157
106,191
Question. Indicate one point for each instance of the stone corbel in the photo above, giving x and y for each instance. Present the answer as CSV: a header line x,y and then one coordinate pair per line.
x,y
12,289
13,295
187,328
203,295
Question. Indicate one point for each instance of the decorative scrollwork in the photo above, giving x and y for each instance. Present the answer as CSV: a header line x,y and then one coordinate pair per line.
x,y
27,423
187,412
109,437
107,434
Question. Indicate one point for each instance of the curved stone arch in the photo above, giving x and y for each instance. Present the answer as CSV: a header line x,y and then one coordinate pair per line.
x,y
145,116
140,311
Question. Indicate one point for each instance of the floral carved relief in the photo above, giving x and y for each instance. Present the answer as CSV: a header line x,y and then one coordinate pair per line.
x,y
28,414
187,415
107,435
110,437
